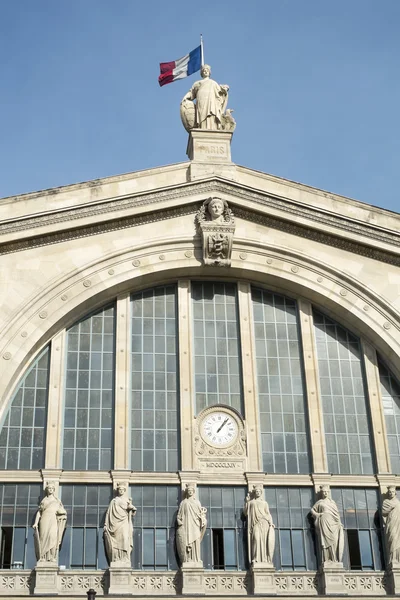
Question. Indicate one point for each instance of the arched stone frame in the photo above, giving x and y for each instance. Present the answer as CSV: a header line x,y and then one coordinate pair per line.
x,y
345,299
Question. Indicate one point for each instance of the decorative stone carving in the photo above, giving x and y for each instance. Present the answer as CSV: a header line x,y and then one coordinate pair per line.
x,y
329,528
191,526
217,225
118,530
260,528
391,518
209,112
49,526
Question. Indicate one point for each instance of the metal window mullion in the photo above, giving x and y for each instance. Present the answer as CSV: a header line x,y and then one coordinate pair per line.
x,y
121,383
376,416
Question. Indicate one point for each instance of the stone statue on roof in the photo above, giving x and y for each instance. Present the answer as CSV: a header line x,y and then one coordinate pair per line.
x,y
209,111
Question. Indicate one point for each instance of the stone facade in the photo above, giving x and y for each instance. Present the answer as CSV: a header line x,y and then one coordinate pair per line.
x,y
68,251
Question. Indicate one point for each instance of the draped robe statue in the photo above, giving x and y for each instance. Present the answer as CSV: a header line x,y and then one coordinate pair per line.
x,y
391,517
329,527
118,533
209,112
261,530
49,526
191,526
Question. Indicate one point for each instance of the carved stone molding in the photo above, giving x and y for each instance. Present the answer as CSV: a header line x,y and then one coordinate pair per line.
x,y
293,210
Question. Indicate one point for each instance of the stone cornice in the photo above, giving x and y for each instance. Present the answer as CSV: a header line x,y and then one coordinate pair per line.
x,y
290,216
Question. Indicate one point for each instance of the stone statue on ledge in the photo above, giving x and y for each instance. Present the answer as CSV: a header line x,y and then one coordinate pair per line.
x,y
209,112
217,225
191,526
49,526
118,531
260,528
329,527
391,518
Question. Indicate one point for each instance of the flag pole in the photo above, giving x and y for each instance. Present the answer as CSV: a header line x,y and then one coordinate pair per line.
x,y
201,50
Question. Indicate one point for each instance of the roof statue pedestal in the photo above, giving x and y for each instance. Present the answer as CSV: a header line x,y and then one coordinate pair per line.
x,y
210,154
210,126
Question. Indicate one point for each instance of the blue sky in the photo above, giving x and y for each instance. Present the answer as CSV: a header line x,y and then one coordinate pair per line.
x,y
314,84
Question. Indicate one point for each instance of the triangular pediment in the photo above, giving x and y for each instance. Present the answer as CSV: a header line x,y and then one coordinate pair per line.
x,y
161,194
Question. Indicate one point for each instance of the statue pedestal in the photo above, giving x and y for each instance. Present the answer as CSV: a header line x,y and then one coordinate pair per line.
x,y
332,577
393,574
193,578
263,579
46,578
210,153
120,578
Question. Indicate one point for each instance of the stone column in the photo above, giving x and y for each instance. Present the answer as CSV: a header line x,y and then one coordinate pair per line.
x,y
376,407
122,391
254,461
55,401
317,431
185,374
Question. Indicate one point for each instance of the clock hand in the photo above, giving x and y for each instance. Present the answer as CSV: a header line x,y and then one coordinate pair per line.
x,y
219,429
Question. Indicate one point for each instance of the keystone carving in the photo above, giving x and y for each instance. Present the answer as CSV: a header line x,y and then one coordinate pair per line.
x,y
217,226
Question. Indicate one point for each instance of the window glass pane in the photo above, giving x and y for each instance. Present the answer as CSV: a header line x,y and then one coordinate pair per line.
x,y
148,548
286,549
359,513
230,548
217,361
154,422
343,395
18,505
161,548
23,432
154,526
281,389
290,512
366,549
88,420
225,538
86,506
390,389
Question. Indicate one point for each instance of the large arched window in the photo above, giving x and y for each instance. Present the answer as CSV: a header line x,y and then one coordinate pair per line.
x,y
243,346
23,432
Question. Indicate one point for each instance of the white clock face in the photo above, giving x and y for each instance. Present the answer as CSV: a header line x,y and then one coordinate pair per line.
x,y
219,429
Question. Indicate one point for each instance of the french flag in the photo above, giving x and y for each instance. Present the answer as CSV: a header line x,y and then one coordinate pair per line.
x,y
178,69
